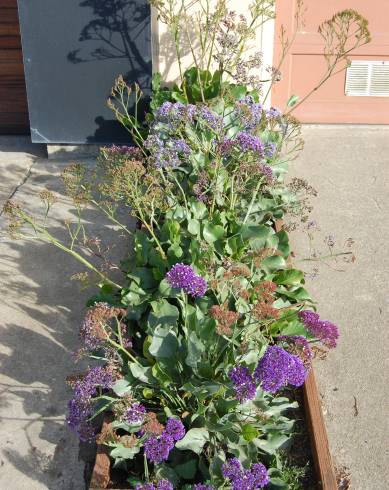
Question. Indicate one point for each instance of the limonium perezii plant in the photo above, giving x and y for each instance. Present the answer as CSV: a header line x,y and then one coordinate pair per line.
x,y
196,351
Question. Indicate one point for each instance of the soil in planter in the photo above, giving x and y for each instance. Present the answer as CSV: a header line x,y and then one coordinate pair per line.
x,y
298,457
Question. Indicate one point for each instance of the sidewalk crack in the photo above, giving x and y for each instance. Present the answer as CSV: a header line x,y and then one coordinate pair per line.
x,y
25,178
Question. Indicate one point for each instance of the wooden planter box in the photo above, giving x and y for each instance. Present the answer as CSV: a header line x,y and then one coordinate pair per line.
x,y
324,469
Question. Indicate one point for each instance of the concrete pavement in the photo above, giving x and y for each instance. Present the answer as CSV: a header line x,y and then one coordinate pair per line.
x,y
40,313
349,167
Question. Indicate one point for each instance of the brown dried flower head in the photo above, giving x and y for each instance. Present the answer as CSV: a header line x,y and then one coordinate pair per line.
x,y
107,435
152,426
129,440
224,318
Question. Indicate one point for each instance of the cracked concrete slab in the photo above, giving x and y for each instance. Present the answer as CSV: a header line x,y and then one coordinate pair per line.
x,y
349,167
40,313
17,155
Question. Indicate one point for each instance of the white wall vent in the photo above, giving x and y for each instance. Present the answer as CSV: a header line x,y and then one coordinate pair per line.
x,y
367,78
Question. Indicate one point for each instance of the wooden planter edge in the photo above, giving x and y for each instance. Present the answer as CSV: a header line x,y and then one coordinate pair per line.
x,y
321,454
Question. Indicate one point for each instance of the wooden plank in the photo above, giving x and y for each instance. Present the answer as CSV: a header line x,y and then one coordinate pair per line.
x,y
318,435
8,4
101,470
13,100
11,55
10,42
9,16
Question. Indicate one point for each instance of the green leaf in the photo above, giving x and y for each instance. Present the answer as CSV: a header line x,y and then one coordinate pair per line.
x,y
294,328
164,343
212,233
292,100
165,472
194,227
156,82
195,349
163,314
298,294
199,209
134,295
142,373
232,246
174,252
283,243
121,452
166,291
143,277
238,91
290,277
216,465
142,247
173,228
148,393
279,484
249,432
187,470
262,232
272,443
194,440
213,89
273,263
161,374
121,387
130,428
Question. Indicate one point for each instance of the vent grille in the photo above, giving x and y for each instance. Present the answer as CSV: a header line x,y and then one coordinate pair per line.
x,y
367,78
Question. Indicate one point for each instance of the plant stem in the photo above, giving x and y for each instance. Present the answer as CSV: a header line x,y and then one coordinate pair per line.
x,y
253,200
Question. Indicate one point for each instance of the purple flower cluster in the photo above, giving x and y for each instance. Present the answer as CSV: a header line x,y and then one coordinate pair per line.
x,y
166,154
244,384
278,368
157,449
267,172
249,142
90,341
171,113
130,151
242,479
249,112
246,142
94,335
325,331
270,149
214,121
175,428
175,114
183,276
80,407
201,486
135,414
273,113
181,147
226,146
201,187
161,485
